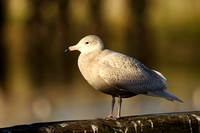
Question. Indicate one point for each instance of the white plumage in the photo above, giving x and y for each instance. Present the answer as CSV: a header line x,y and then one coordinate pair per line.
x,y
117,74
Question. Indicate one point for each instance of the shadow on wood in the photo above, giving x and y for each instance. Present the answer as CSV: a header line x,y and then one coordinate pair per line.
x,y
166,122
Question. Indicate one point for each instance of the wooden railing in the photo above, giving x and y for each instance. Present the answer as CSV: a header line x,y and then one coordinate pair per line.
x,y
178,122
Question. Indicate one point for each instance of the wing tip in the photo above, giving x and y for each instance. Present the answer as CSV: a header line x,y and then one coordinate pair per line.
x,y
160,74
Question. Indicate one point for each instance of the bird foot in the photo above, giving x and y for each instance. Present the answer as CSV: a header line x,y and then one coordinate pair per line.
x,y
110,117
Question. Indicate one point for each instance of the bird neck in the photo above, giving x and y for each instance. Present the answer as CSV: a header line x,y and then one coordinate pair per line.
x,y
92,54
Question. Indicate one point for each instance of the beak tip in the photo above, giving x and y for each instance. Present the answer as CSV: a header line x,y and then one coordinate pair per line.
x,y
71,48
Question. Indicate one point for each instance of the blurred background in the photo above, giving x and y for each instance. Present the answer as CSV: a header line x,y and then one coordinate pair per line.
x,y
40,82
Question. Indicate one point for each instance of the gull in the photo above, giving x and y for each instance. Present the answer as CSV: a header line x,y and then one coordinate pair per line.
x,y
117,74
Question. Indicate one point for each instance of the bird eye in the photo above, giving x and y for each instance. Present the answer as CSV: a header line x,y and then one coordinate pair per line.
x,y
86,42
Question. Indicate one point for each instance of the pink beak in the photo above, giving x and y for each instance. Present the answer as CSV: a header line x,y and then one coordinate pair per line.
x,y
72,48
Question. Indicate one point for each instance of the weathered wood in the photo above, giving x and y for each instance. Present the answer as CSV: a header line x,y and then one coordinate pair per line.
x,y
168,122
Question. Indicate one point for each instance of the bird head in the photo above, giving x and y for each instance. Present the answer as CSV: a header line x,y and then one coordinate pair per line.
x,y
88,44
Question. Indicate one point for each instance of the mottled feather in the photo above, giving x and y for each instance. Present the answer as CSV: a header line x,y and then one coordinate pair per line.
x,y
124,72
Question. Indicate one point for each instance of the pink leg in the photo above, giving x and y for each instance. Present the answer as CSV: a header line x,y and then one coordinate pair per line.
x,y
112,108
111,116
119,107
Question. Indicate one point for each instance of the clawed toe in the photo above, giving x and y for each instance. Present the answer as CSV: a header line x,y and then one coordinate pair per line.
x,y
110,117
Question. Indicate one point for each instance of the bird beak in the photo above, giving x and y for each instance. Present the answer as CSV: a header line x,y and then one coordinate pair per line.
x,y
72,48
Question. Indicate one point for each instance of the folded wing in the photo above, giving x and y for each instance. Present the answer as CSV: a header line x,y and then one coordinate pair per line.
x,y
128,74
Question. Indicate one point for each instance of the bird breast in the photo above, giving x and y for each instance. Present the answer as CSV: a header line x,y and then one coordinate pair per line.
x,y
89,69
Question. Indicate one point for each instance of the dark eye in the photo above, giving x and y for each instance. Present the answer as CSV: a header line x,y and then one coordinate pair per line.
x,y
86,42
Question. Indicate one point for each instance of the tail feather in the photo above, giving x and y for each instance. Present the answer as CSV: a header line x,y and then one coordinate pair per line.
x,y
164,94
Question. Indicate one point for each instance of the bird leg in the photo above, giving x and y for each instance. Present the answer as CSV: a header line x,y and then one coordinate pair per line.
x,y
119,108
111,116
112,108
